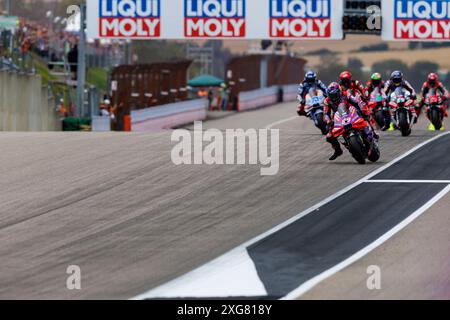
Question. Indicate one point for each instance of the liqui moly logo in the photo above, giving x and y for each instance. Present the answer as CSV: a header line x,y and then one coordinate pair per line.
x,y
214,18
300,18
422,19
130,18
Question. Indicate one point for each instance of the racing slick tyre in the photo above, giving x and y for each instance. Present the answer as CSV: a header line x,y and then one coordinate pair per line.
x,y
379,119
374,154
436,119
403,124
356,148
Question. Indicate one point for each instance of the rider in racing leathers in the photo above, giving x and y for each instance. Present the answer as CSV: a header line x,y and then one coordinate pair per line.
x,y
352,87
395,82
432,83
336,97
308,83
376,81
398,81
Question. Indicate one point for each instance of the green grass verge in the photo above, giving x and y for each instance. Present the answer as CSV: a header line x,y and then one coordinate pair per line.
x,y
98,77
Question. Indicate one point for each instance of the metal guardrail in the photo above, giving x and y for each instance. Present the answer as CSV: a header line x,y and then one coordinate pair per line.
x,y
7,64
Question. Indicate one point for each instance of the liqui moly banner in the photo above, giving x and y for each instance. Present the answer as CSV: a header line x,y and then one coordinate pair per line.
x,y
206,18
124,18
300,19
417,20
215,19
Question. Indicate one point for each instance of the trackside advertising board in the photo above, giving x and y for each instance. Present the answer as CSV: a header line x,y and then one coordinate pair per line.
x,y
417,20
215,19
222,19
305,19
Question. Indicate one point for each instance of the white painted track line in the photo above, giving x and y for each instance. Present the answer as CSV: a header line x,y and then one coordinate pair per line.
x,y
270,126
310,284
409,181
330,272
232,275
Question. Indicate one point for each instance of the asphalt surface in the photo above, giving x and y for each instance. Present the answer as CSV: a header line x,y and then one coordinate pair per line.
x,y
115,204
413,264
431,163
333,233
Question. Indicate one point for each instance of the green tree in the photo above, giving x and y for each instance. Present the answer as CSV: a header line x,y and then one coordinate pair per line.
x,y
356,66
447,80
329,69
221,57
420,70
158,51
386,67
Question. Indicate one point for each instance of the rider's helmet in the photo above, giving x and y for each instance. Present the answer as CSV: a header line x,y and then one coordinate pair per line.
x,y
346,79
376,79
397,78
311,77
433,79
334,92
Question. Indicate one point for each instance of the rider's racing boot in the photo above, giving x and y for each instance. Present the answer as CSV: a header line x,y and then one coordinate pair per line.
x,y
392,127
337,154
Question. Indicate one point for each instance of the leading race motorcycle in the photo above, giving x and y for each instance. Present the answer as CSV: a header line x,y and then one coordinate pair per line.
x,y
354,133
314,109
402,110
435,108
378,105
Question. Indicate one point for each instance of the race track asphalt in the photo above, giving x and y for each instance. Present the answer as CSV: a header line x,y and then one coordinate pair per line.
x,y
115,205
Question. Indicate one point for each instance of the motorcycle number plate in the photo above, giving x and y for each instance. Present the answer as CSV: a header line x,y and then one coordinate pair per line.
x,y
316,100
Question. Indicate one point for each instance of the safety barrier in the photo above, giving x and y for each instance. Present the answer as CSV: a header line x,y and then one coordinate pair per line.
x,y
168,116
101,124
254,99
25,105
290,92
264,97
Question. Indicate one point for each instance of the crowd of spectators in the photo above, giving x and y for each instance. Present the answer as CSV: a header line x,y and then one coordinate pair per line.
x,y
54,44
50,44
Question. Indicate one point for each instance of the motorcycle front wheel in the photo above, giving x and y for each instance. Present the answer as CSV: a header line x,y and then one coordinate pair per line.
x,y
403,123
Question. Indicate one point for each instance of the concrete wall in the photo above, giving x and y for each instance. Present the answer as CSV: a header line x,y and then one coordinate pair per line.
x,y
259,98
25,104
101,124
172,115
168,116
290,92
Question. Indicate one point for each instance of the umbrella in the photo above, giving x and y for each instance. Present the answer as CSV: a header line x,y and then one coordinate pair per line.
x,y
205,81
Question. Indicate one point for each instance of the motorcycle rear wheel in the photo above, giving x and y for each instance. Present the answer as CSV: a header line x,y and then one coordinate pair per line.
x,y
375,153
356,148
436,119
379,118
